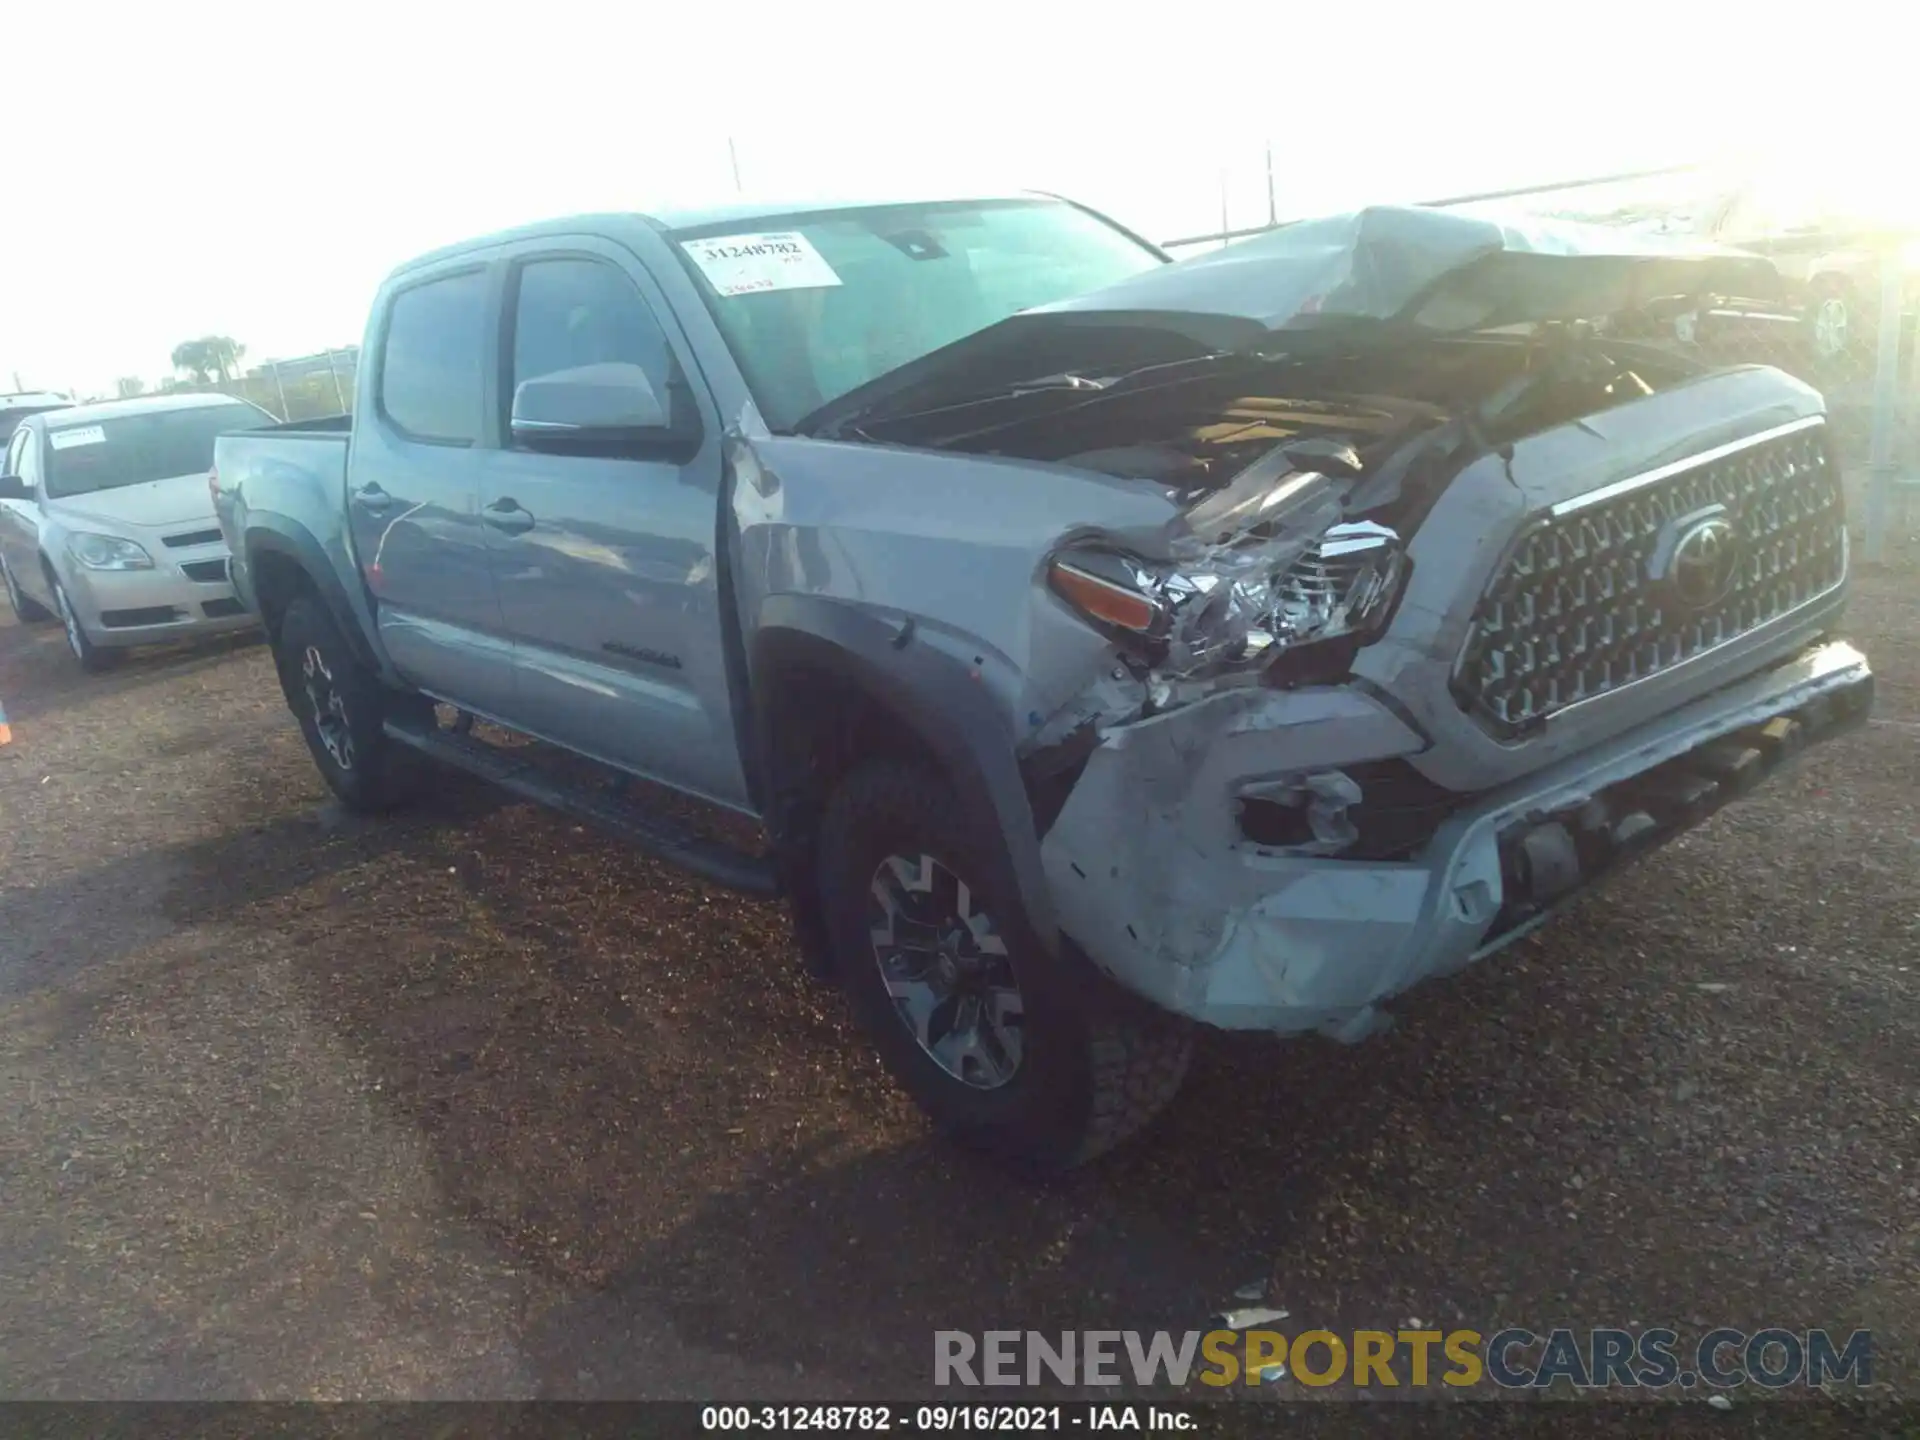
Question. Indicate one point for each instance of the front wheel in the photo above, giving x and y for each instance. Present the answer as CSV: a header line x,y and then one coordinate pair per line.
x,y
1039,1062
92,658
342,708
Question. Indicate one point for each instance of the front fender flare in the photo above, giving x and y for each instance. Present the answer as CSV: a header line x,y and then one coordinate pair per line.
x,y
938,696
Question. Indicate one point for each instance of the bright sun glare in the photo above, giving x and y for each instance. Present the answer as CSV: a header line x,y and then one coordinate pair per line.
x,y
331,151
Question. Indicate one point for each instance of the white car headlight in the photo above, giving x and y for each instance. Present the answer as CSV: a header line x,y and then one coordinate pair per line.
x,y
107,552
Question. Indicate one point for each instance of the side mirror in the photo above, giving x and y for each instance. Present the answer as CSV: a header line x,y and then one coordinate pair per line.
x,y
607,409
12,487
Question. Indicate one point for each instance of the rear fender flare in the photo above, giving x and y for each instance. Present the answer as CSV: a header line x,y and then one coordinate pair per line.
x,y
268,536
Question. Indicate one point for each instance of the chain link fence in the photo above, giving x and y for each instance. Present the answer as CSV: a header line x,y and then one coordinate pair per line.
x,y
306,388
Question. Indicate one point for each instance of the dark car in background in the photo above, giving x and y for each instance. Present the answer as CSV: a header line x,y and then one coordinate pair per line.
x,y
1823,321
17,407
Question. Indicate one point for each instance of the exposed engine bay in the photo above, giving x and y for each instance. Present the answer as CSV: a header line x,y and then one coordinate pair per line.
x,y
1299,484
1354,413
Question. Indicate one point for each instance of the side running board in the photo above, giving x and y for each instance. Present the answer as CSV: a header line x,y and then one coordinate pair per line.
x,y
658,835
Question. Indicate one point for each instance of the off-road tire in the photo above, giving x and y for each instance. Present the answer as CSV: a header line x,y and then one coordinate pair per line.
x,y
379,773
1097,1065
27,612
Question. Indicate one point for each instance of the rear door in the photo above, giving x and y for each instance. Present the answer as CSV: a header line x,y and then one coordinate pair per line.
x,y
606,566
413,474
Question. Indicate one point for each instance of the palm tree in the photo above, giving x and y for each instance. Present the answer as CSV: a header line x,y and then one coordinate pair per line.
x,y
128,386
191,357
209,356
225,352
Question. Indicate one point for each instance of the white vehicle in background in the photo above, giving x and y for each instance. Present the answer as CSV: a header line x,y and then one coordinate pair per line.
x,y
106,522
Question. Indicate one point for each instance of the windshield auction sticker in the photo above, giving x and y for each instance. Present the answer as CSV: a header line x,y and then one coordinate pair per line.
x,y
744,264
77,435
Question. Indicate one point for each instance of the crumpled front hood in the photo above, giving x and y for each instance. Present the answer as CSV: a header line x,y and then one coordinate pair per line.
x,y
1370,276
1433,269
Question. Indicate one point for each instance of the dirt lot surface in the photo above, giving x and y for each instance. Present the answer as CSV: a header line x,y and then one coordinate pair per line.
x,y
471,1103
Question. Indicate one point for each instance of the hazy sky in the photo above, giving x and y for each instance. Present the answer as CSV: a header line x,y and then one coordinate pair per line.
x,y
253,170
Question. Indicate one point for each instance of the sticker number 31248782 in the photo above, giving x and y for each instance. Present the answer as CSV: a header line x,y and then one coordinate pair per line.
x,y
742,264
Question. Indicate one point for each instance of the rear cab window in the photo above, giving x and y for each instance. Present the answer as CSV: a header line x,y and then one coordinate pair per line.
x,y
433,360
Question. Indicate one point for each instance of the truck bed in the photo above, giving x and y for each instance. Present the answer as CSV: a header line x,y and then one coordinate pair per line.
x,y
319,425
289,478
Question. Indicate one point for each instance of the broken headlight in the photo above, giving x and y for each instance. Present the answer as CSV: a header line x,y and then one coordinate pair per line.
x,y
1230,608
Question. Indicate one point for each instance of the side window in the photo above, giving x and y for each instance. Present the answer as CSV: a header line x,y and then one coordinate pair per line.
x,y
28,459
570,313
433,367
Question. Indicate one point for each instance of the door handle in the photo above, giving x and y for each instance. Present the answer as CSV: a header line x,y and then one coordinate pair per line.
x,y
506,514
372,498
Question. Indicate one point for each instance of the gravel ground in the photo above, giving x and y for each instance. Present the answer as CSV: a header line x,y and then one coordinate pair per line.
x,y
472,1103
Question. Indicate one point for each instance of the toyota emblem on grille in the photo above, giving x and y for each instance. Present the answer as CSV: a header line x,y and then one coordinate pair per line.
x,y
1706,557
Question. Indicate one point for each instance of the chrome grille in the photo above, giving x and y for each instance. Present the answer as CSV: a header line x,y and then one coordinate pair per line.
x,y
1579,608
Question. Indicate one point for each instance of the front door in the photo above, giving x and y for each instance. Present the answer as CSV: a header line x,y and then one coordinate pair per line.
x,y
605,566
20,519
413,473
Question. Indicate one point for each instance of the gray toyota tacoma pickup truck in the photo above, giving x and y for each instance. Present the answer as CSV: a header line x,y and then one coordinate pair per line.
x,y
1095,647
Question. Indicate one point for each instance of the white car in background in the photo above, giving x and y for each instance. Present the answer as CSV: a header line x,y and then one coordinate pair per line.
x,y
106,521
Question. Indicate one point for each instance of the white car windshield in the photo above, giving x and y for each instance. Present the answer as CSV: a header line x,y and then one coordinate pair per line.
x,y
82,457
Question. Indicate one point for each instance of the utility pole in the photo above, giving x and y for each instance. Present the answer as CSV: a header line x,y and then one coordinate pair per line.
x,y
339,396
1881,461
1273,201
733,155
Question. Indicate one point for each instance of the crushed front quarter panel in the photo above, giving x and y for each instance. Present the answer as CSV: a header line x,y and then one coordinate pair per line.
x,y
954,543
1148,873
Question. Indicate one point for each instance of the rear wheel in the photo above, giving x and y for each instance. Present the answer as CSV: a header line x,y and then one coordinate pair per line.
x,y
1038,1061
342,708
28,612
91,657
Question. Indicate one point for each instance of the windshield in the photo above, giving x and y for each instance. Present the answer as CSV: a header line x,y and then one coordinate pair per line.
x,y
815,306
82,458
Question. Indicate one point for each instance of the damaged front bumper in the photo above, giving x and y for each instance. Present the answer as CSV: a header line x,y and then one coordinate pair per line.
x,y
1154,877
